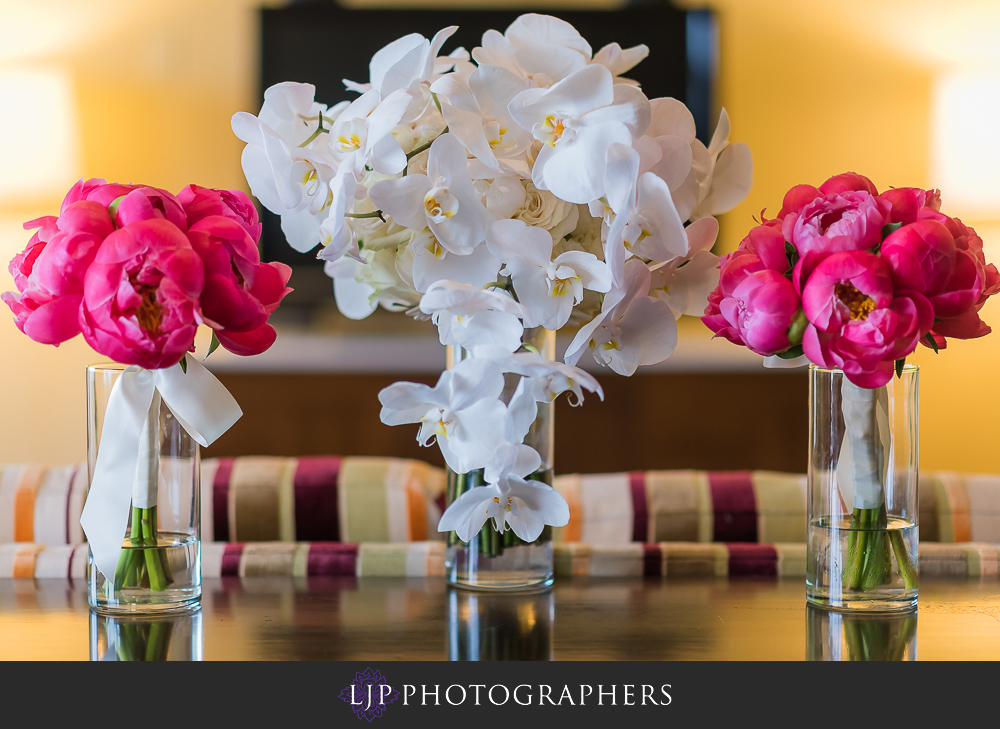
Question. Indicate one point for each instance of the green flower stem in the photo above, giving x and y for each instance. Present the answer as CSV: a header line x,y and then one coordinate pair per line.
x,y
159,641
154,566
905,562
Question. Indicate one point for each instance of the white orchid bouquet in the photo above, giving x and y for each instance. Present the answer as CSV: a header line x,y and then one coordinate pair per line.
x,y
529,186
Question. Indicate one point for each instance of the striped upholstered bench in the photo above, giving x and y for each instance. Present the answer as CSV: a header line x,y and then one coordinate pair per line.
x,y
377,516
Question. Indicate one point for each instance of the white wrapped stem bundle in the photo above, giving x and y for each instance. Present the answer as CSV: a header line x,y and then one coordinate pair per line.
x,y
865,456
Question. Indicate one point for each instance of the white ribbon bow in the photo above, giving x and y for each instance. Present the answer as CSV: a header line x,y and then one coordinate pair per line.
x,y
199,402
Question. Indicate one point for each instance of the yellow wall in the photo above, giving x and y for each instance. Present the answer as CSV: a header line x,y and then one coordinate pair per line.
x,y
154,85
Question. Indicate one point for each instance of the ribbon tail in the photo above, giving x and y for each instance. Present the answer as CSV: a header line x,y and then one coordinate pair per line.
x,y
106,512
201,404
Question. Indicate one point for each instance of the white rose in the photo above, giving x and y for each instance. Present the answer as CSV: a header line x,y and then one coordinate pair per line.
x,y
542,209
586,236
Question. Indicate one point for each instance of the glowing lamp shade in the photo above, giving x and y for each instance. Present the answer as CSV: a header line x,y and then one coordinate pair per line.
x,y
39,154
965,157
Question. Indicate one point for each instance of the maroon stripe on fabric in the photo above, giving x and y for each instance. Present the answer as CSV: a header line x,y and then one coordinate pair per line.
x,y
220,500
331,559
316,517
440,500
69,567
752,560
733,506
231,560
652,560
640,512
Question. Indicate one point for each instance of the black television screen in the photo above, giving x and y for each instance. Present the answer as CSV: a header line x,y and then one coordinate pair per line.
x,y
320,43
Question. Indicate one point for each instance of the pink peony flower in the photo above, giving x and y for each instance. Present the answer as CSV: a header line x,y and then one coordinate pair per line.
x,y
858,321
906,202
763,308
762,250
201,202
840,221
141,295
139,202
49,273
240,292
921,256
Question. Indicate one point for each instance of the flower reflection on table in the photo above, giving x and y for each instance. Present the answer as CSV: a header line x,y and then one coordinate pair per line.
x,y
500,626
177,637
834,636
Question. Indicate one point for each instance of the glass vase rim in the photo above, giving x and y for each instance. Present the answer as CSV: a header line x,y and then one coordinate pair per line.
x,y
908,368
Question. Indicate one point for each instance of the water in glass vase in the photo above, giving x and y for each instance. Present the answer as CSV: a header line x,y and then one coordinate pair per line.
x,y
851,567
150,579
495,561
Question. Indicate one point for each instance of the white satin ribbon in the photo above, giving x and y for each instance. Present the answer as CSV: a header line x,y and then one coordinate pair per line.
x,y
199,402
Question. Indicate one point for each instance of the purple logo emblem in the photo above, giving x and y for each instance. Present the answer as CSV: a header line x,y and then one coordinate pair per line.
x,y
369,694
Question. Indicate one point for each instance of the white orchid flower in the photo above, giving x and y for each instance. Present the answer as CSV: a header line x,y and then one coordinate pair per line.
x,y
355,299
540,48
632,329
337,235
547,379
685,283
443,200
511,501
548,289
646,223
619,60
432,263
577,120
476,112
474,318
362,133
462,412
287,169
405,63
724,172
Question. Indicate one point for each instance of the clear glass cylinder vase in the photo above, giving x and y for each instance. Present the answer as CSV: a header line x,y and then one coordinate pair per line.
x,y
862,542
858,636
174,637
494,561
159,568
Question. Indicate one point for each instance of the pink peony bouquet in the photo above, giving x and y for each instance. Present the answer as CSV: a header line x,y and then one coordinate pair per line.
x,y
136,269
853,279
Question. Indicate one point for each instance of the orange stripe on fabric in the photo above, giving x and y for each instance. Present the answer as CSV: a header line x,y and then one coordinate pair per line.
x,y
24,504
24,562
416,508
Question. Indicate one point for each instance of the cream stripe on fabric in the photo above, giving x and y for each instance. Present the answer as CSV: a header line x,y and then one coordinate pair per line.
x,y
209,468
791,559
258,503
382,560
781,506
75,500
81,556
397,506
672,502
569,487
606,501
362,502
300,560
706,513
50,505
211,558
9,480
54,561
8,555
571,558
626,560
984,506
425,559
267,559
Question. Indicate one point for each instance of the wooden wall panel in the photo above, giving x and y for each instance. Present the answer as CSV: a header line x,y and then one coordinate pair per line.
x,y
704,421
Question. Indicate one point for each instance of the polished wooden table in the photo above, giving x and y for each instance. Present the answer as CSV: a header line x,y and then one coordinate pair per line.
x,y
578,619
